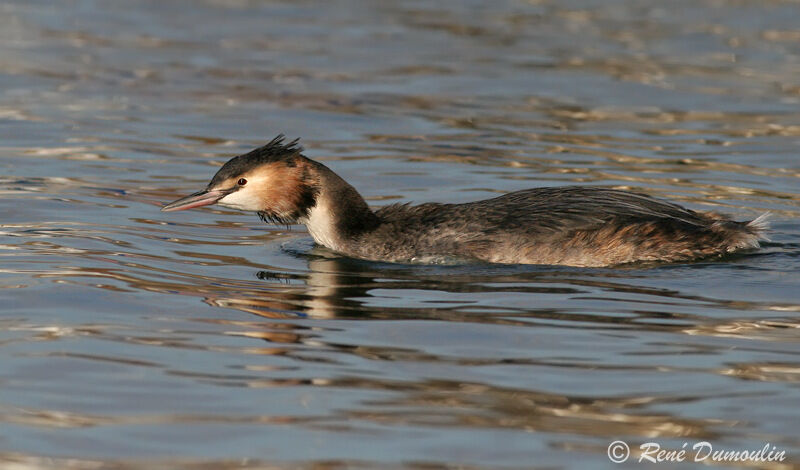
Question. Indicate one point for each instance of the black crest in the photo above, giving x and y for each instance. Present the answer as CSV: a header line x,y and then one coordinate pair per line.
x,y
276,150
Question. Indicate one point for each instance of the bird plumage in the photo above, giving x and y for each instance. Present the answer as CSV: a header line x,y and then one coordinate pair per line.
x,y
571,225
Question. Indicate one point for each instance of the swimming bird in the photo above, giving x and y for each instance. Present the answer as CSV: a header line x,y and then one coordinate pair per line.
x,y
569,225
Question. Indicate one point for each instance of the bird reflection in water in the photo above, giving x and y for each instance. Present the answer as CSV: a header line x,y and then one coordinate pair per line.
x,y
330,290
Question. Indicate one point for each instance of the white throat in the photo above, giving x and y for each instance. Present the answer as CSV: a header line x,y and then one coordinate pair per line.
x,y
321,225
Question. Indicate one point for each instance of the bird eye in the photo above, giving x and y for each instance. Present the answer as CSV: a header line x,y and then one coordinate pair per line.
x,y
242,182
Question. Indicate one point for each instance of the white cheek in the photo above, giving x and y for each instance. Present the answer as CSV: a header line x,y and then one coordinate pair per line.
x,y
242,199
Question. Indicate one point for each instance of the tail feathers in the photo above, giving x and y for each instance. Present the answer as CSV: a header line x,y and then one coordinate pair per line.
x,y
742,235
759,225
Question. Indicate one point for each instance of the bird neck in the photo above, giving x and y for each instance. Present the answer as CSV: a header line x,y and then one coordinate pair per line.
x,y
340,214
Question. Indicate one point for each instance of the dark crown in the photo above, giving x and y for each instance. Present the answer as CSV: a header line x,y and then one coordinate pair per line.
x,y
276,150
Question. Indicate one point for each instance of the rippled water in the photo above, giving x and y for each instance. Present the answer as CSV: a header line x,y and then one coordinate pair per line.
x,y
205,338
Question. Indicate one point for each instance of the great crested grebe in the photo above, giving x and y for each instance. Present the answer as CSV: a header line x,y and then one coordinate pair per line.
x,y
571,225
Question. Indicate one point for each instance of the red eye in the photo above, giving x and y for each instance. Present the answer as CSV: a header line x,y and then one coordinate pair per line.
x,y
242,182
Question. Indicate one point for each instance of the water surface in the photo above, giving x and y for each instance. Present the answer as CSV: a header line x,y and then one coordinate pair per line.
x,y
207,339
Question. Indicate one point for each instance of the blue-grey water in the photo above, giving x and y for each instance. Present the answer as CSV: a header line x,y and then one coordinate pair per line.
x,y
132,338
